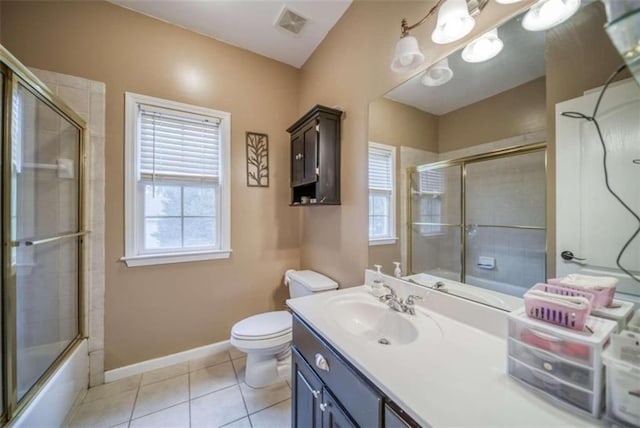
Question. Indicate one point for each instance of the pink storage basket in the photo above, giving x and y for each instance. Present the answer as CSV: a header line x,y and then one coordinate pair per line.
x,y
556,312
602,297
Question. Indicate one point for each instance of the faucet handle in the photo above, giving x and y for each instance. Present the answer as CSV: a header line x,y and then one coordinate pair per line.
x,y
411,299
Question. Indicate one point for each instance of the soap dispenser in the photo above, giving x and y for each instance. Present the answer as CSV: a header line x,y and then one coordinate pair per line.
x,y
397,272
377,288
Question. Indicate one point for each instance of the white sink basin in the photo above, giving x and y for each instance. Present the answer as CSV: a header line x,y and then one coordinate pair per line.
x,y
372,321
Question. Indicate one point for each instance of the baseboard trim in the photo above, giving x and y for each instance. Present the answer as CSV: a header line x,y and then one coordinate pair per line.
x,y
166,361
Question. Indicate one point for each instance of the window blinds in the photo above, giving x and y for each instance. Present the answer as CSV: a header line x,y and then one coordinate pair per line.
x,y
177,145
431,181
16,130
380,169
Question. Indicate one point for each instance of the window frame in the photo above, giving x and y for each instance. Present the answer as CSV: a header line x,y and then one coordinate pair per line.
x,y
134,203
392,238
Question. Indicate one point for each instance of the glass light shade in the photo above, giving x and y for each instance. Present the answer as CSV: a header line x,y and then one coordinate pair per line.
x,y
407,55
508,1
438,74
548,13
454,22
483,48
624,32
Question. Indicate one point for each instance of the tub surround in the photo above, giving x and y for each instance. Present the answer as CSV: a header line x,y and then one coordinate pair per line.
x,y
452,375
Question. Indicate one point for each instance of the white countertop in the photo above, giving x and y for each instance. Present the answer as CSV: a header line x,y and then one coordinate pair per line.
x,y
451,375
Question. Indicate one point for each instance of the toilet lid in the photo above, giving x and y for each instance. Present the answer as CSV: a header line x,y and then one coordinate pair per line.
x,y
263,326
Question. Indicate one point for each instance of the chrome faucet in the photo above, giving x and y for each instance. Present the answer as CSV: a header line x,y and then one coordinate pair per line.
x,y
397,304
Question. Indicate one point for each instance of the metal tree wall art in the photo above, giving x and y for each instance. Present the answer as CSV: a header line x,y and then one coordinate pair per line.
x,y
257,160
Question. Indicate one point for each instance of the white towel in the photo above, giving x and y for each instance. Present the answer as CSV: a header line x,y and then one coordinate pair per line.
x,y
570,302
587,282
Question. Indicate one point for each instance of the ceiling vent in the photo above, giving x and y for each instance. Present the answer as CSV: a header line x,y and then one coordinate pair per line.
x,y
290,21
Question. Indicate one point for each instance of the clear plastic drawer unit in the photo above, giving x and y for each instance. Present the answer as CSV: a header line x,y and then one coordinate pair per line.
x,y
563,364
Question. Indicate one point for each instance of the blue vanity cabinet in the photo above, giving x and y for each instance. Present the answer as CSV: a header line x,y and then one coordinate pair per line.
x,y
328,392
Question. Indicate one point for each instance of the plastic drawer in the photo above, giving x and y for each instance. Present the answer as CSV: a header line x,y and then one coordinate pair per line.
x,y
623,390
551,385
565,370
573,350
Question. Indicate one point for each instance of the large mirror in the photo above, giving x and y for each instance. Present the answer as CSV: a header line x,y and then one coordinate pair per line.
x,y
463,161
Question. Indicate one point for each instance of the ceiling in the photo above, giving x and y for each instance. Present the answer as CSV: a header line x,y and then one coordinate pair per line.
x,y
521,61
249,24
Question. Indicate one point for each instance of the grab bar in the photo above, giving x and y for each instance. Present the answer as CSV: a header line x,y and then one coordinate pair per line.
x,y
29,243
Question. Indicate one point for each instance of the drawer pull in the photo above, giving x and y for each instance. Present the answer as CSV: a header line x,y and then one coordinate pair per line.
x,y
321,363
323,406
315,393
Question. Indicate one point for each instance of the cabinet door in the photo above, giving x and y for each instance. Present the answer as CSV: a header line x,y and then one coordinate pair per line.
x,y
332,414
306,391
310,135
297,159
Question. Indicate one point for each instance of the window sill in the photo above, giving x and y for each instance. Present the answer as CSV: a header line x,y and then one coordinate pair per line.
x,y
168,258
383,241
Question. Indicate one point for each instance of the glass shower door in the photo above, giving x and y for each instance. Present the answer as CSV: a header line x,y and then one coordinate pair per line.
x,y
436,221
505,214
45,228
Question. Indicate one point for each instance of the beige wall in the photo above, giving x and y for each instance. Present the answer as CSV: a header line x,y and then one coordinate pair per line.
x,y
157,310
514,112
351,68
397,124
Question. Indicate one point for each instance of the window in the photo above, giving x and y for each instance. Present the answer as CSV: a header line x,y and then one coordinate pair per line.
x,y
382,200
177,195
431,187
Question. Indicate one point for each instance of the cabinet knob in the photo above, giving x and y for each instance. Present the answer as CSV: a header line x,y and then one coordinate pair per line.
x,y
323,406
321,362
315,393
299,156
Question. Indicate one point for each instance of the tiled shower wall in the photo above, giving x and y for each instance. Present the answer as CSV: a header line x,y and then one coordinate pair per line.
x,y
87,98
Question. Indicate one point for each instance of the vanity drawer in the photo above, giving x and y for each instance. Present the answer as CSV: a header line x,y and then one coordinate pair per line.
x,y
547,362
554,343
362,401
553,386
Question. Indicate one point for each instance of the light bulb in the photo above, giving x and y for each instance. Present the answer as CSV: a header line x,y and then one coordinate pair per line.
x,y
453,28
551,9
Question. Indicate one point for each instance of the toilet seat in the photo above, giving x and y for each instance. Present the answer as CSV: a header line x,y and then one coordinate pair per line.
x,y
264,327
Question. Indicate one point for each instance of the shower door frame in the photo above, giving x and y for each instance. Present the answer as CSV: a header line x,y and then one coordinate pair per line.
x,y
462,163
15,73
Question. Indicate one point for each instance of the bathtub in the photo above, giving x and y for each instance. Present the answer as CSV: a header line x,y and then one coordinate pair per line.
x,y
52,404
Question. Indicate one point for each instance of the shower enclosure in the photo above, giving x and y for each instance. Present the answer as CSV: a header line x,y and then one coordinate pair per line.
x,y
42,234
481,220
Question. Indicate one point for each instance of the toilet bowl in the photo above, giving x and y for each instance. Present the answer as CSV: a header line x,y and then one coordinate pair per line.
x,y
266,338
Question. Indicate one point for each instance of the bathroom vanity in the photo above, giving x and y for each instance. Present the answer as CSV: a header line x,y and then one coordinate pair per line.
x,y
358,363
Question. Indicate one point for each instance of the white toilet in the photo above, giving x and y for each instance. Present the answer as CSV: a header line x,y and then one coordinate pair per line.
x,y
266,338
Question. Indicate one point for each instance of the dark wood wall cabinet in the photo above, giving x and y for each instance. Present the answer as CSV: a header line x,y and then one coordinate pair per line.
x,y
327,391
315,157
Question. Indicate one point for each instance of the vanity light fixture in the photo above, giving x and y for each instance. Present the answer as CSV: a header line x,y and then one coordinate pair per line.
x,y
483,48
546,14
623,28
438,74
454,22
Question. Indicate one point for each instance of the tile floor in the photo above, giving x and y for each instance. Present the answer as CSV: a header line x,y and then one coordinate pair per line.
x,y
208,392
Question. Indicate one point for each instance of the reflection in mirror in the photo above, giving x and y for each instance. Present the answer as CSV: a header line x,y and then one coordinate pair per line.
x,y
473,182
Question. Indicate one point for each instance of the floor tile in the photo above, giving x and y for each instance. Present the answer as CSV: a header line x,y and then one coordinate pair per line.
x,y
211,379
278,416
112,388
211,360
165,373
218,408
239,367
176,416
260,398
160,395
235,353
240,423
104,412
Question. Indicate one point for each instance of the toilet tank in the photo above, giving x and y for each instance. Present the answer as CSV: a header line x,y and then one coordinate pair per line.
x,y
306,282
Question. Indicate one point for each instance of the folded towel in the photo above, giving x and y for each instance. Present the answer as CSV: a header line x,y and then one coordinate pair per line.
x,y
569,302
587,282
